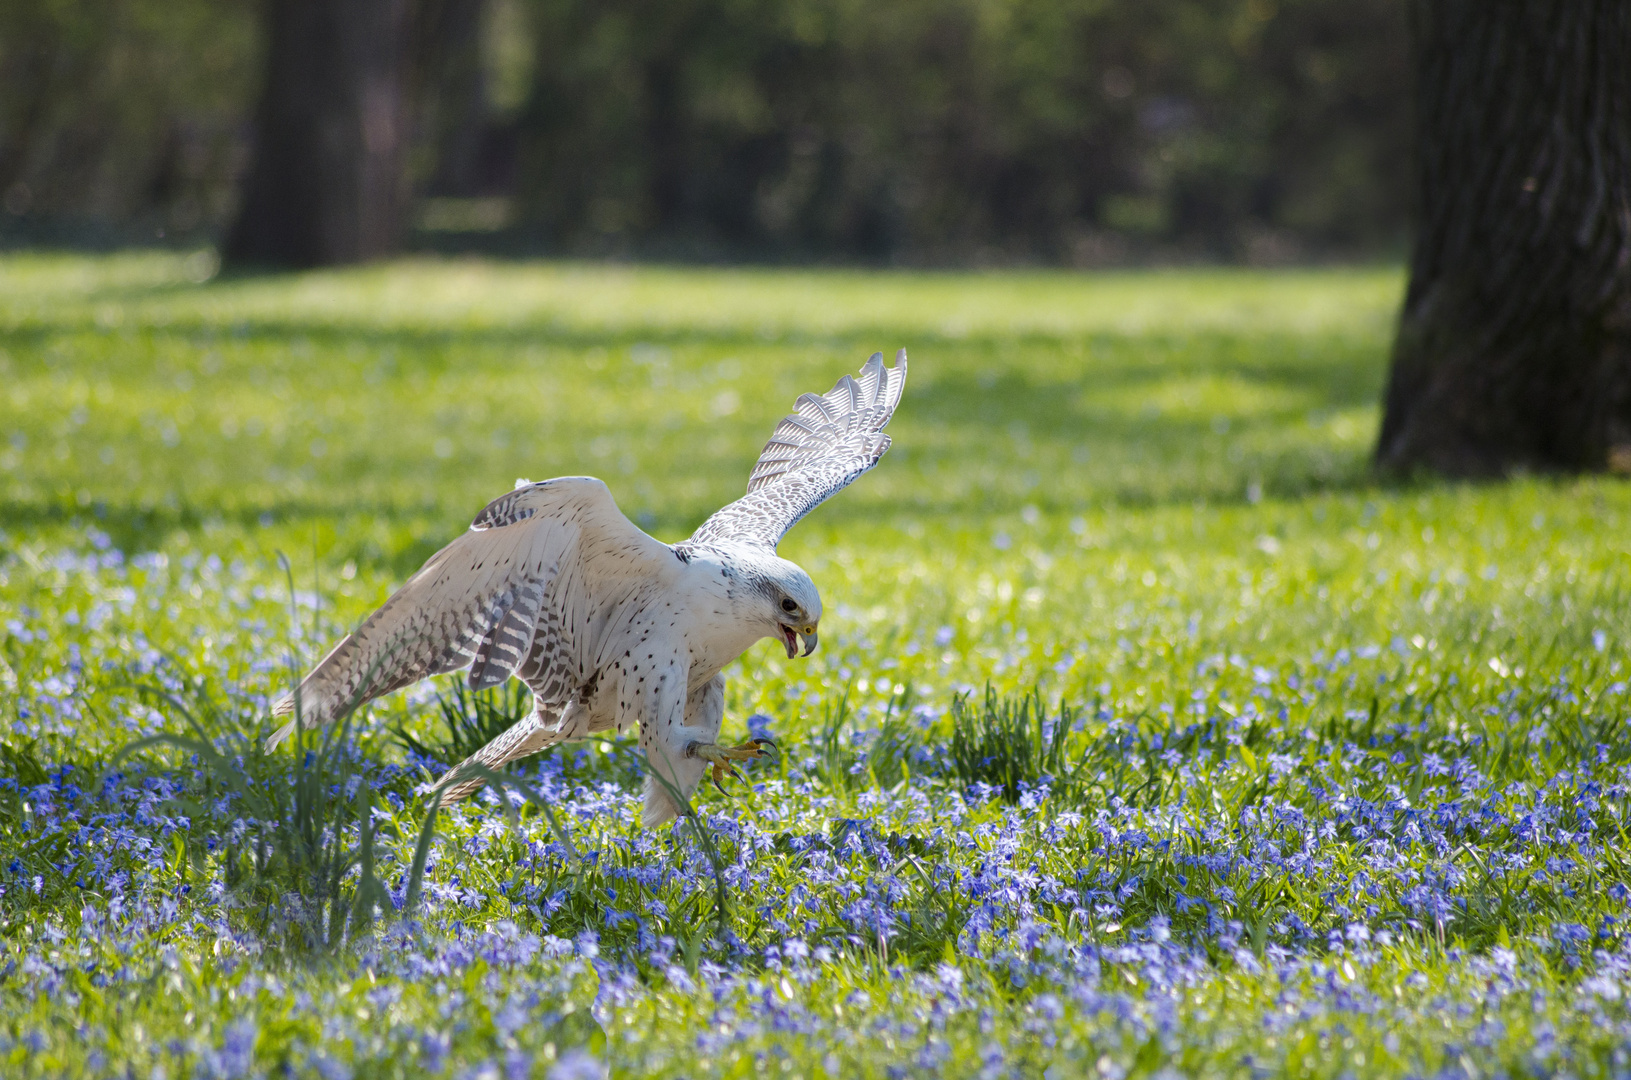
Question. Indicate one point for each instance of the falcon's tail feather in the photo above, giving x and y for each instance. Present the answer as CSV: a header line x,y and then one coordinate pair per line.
x,y
537,732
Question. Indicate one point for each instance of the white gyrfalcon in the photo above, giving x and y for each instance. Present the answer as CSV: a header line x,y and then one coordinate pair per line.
x,y
609,627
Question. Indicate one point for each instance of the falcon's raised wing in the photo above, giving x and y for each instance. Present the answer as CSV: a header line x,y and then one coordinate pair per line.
x,y
812,454
550,557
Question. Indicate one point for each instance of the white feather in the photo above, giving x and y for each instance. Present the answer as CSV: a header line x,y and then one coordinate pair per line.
x,y
610,628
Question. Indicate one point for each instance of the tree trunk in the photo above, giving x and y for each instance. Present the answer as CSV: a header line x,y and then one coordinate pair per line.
x,y
454,94
328,183
1514,345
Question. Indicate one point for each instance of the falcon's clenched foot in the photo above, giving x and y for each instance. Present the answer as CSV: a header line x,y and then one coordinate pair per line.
x,y
720,757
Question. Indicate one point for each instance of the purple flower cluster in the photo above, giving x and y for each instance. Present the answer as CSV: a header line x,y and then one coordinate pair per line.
x,y
1348,870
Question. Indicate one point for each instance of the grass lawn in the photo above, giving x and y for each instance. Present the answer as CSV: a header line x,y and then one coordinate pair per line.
x,y
1333,776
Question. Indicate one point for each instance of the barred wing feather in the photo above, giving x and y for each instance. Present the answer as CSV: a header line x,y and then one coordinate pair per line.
x,y
545,557
812,454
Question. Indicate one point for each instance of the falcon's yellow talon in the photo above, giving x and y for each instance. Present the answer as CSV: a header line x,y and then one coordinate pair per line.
x,y
722,770
720,758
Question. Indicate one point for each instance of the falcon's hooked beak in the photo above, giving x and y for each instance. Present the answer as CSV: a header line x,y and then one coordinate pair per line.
x,y
790,640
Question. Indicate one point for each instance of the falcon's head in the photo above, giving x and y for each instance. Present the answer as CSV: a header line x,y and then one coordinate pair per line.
x,y
792,605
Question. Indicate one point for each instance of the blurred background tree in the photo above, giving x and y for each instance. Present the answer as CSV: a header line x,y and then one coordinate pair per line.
x,y
122,118
1514,347
944,132
328,177
950,130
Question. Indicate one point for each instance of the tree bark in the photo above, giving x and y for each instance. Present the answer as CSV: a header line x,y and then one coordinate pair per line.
x,y
454,95
1514,344
328,182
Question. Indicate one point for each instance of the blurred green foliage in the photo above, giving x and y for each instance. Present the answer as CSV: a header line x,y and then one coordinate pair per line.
x,y
998,129
1074,131
122,112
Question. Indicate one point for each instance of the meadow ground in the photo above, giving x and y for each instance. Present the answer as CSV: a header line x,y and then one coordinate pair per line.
x,y
1332,779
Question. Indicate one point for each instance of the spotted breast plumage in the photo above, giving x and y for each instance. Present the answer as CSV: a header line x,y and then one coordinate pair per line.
x,y
609,627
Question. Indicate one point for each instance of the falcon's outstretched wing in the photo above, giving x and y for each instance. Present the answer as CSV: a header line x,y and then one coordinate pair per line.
x,y
812,454
546,559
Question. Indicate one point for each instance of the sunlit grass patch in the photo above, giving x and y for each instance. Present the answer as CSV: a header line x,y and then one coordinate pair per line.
x,y
1330,775
299,841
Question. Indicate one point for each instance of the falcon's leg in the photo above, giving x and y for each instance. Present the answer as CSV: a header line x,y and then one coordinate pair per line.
x,y
722,756
674,773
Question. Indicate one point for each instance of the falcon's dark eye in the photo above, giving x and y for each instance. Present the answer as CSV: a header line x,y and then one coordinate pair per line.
x,y
788,605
